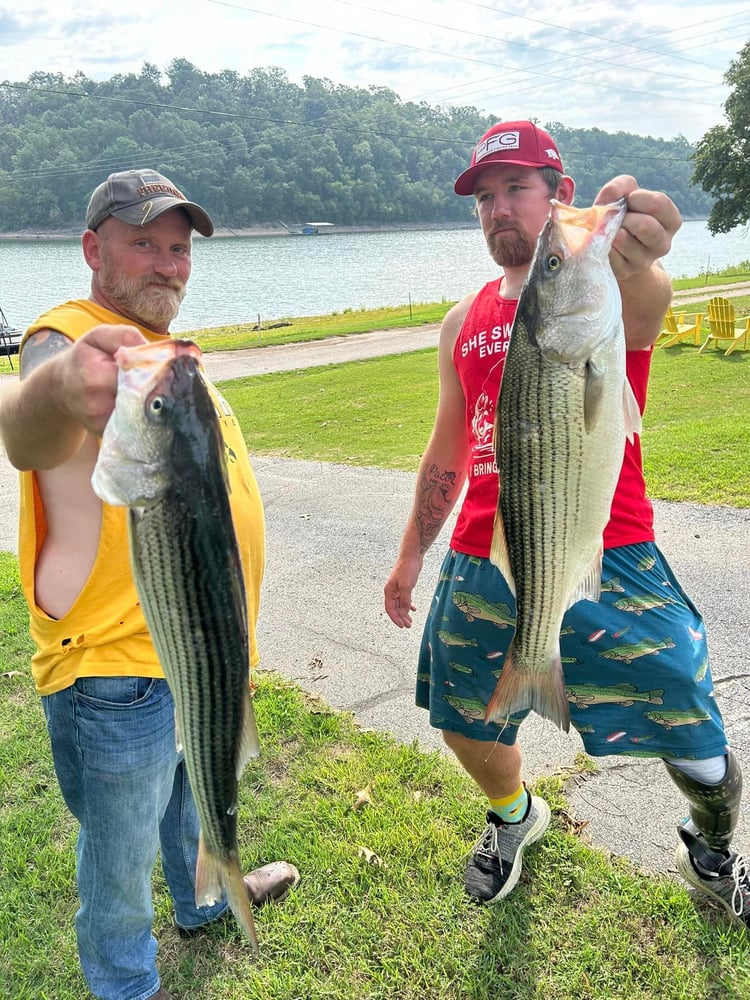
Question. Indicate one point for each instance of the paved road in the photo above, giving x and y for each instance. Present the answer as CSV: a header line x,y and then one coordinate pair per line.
x,y
333,532
688,295
332,350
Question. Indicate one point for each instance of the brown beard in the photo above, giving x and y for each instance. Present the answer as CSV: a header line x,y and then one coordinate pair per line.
x,y
153,302
507,253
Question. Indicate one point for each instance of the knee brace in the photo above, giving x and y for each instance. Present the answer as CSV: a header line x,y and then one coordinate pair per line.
x,y
714,809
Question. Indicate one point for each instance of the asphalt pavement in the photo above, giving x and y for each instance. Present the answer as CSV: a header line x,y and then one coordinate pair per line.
x,y
332,534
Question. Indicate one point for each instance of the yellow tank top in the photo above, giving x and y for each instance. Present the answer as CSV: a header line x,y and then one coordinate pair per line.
x,y
104,633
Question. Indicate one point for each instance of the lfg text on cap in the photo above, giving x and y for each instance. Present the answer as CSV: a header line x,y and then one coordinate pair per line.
x,y
137,197
522,143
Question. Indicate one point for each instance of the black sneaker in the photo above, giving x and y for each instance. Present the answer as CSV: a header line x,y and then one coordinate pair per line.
x,y
494,868
723,877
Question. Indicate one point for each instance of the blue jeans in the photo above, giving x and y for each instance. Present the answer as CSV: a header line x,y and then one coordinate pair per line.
x,y
114,750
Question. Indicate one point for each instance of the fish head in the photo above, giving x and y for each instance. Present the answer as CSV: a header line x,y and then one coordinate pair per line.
x,y
131,470
573,301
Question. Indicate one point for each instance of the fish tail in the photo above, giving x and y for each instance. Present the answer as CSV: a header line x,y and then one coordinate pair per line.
x,y
541,691
216,877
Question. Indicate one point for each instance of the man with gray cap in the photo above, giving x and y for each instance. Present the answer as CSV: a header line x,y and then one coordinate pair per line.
x,y
110,715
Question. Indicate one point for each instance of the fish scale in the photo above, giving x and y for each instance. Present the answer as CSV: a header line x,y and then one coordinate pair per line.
x,y
202,700
196,574
533,539
163,457
563,411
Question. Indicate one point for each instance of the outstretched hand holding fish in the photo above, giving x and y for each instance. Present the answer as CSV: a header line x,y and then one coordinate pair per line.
x,y
564,411
162,455
557,339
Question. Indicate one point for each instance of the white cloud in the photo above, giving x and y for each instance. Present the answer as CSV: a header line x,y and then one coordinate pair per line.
x,y
656,70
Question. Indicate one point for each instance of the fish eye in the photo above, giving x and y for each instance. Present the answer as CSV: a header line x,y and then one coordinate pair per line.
x,y
554,262
156,408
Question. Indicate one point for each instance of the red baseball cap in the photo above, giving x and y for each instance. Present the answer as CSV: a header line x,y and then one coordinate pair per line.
x,y
523,143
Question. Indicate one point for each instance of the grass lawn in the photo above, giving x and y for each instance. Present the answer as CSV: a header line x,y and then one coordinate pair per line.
x,y
294,330
380,913
379,412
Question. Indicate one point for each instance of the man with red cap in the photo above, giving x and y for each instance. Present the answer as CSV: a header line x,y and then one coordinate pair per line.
x,y
515,170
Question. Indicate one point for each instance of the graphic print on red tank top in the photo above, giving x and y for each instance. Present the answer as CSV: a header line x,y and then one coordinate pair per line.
x,y
479,356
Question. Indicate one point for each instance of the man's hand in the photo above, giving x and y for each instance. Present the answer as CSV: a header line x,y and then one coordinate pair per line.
x,y
89,374
647,230
398,590
67,390
646,235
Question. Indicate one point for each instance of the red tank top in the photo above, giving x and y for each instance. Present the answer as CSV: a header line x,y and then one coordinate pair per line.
x,y
479,355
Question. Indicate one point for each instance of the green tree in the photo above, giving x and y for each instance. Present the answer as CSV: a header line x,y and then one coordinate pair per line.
x,y
257,148
723,153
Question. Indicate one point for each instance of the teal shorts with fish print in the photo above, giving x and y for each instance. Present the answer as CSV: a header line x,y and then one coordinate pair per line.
x,y
636,668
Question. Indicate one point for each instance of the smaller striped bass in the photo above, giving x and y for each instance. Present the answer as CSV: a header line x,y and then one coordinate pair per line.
x,y
564,410
162,456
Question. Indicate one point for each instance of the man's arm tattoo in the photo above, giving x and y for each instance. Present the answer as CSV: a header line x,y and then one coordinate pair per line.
x,y
41,346
435,499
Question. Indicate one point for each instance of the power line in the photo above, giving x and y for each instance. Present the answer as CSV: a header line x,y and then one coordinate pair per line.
x,y
623,43
481,93
106,163
510,41
483,96
229,114
448,55
325,126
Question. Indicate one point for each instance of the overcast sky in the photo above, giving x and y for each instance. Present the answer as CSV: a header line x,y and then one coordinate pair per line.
x,y
653,68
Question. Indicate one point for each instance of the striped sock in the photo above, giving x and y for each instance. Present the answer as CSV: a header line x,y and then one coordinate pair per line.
x,y
511,808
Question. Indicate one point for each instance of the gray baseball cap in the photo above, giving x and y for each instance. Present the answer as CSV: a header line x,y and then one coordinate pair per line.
x,y
139,196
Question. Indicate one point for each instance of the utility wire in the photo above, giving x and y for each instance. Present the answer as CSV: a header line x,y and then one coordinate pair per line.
x,y
511,41
447,55
623,43
632,64
103,163
323,126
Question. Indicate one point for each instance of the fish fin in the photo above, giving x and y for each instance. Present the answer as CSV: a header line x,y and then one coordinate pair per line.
x,y
518,689
249,745
177,734
593,392
215,878
208,883
590,587
499,551
633,421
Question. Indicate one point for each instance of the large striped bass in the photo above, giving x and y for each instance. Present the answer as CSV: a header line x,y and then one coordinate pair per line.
x,y
564,410
162,455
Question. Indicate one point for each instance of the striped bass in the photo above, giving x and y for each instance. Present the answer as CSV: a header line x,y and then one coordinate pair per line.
x,y
564,410
162,456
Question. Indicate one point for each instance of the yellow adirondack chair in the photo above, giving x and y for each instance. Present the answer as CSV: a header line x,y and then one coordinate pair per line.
x,y
678,327
723,326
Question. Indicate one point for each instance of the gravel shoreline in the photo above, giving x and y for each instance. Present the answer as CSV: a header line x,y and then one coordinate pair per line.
x,y
262,231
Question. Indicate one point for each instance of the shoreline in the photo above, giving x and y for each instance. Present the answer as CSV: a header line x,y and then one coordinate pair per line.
x,y
260,232
270,231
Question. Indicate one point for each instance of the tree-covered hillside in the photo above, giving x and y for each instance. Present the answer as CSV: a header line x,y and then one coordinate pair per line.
x,y
258,148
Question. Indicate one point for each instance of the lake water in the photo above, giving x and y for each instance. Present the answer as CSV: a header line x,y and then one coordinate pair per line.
x,y
237,279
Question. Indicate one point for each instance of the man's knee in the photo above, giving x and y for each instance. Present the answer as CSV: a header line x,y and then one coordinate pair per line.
x,y
492,764
452,739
